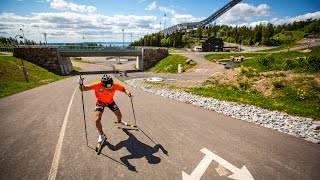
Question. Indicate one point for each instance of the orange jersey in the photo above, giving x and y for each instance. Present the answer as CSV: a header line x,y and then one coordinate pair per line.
x,y
104,95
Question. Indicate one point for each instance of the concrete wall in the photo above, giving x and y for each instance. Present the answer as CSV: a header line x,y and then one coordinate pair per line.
x,y
47,58
50,59
151,56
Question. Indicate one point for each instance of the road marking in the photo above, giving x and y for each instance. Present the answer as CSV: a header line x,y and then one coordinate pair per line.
x,y
57,152
240,174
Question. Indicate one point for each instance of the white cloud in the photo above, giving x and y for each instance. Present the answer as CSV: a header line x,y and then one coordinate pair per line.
x,y
179,18
243,13
151,6
315,15
70,27
63,5
167,10
141,1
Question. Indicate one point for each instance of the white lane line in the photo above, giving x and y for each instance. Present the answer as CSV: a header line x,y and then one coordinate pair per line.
x,y
57,152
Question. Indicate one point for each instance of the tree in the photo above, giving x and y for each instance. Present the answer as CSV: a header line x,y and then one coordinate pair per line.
x,y
199,32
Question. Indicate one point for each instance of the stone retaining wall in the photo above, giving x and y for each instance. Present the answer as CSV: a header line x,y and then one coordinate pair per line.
x,y
151,56
45,57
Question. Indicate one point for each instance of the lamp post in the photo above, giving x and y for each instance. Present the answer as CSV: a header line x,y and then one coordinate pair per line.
x,y
23,36
17,39
165,21
45,38
122,37
24,70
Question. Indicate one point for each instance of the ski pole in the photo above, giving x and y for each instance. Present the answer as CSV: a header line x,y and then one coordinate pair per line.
x,y
84,113
134,116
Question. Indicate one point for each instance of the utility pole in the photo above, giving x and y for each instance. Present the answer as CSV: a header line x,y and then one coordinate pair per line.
x,y
23,37
45,38
25,72
165,20
131,37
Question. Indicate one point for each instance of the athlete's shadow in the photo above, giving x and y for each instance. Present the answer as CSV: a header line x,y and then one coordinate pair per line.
x,y
137,150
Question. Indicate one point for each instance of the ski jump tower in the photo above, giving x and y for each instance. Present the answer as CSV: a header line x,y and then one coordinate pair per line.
x,y
193,25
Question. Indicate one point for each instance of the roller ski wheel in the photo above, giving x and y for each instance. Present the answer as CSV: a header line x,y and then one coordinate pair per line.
x,y
99,146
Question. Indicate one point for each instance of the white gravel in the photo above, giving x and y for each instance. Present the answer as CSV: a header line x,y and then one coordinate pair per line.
x,y
299,127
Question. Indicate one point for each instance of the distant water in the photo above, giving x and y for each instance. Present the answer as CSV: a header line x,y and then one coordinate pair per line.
x,y
102,43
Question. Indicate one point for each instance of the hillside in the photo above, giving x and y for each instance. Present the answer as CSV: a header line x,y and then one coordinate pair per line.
x,y
13,81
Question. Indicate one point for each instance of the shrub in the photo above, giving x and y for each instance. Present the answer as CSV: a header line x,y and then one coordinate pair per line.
x,y
266,62
244,84
290,64
248,72
313,63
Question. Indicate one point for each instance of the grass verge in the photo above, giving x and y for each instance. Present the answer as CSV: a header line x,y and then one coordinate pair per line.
x,y
12,79
214,57
170,64
287,82
298,61
288,105
172,50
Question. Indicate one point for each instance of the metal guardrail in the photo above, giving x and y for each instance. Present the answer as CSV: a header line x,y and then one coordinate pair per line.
x,y
6,48
72,48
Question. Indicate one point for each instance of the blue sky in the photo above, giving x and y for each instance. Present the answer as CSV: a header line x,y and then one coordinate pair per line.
x,y
103,20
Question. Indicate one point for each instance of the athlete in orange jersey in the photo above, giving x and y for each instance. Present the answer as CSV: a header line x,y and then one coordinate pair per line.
x,y
104,92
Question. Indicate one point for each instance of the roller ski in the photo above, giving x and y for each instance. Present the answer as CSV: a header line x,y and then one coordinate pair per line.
x,y
123,123
101,140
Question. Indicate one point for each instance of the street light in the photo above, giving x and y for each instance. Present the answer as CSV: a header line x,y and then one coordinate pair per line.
x,y
45,38
17,39
23,36
24,70
122,37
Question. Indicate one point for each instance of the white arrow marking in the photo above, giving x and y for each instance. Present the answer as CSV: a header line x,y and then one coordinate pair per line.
x,y
200,169
240,174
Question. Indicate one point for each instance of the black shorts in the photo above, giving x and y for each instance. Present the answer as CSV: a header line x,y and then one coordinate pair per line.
x,y
100,106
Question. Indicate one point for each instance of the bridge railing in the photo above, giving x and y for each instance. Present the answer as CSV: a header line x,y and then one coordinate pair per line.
x,y
7,48
73,48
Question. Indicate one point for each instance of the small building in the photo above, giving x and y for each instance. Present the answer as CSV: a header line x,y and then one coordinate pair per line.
x,y
212,44
197,48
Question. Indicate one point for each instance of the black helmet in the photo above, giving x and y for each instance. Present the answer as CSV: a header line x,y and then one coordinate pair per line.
x,y
107,81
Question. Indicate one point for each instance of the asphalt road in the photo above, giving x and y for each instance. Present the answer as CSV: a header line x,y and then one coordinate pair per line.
x,y
39,135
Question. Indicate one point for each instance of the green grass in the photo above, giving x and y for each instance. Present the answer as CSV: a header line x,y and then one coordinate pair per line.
x,y
288,36
170,64
214,57
288,105
173,50
279,48
298,61
296,96
12,79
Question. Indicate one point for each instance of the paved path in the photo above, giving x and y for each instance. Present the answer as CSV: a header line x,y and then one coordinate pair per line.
x,y
31,124
200,73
